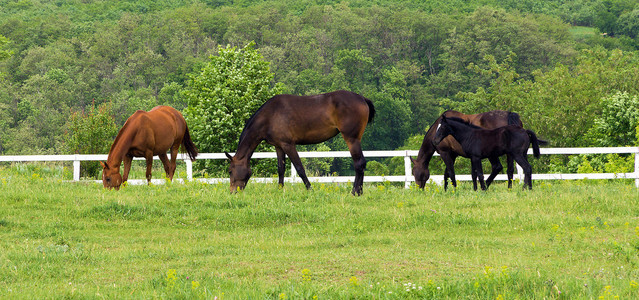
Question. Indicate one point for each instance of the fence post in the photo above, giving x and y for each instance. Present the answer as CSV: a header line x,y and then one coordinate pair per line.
x,y
189,169
407,170
293,172
637,169
76,169
520,173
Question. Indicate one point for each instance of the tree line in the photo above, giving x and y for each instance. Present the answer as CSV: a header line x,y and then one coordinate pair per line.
x,y
561,64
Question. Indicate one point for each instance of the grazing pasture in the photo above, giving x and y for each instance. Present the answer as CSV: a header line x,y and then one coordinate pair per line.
x,y
567,240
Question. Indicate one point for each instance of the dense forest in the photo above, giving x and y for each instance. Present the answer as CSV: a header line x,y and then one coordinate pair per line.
x,y
570,68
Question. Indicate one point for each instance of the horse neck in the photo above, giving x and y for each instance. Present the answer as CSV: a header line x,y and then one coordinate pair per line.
x,y
427,149
248,143
120,147
461,132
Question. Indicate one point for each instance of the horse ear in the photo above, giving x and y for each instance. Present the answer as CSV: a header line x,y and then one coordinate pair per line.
x,y
104,165
228,155
413,160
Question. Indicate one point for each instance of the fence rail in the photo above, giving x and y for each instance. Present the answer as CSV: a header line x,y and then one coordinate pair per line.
x,y
407,178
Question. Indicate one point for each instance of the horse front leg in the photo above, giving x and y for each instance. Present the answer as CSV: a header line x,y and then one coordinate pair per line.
x,y
496,169
479,173
127,167
297,162
449,172
281,165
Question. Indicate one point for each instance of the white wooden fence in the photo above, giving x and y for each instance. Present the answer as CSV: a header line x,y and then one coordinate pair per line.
x,y
407,178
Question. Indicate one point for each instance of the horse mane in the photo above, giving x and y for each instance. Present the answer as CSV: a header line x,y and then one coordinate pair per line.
x,y
124,129
514,119
250,121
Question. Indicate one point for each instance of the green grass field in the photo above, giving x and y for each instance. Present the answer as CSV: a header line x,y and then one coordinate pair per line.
x,y
567,240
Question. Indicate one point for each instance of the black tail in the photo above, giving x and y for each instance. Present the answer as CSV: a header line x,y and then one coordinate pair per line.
x,y
535,143
513,119
188,146
371,110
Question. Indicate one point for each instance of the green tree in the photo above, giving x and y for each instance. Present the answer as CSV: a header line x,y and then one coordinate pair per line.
x,y
228,90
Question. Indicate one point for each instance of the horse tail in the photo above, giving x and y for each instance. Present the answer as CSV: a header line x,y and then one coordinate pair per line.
x,y
188,146
535,143
513,119
371,110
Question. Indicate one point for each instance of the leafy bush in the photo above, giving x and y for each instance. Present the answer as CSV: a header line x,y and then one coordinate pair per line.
x,y
91,132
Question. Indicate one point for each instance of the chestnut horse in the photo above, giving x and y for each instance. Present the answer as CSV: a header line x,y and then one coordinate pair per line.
x,y
479,143
288,120
146,134
449,148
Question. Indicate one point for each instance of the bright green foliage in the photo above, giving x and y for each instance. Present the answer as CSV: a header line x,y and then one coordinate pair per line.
x,y
91,132
615,125
224,95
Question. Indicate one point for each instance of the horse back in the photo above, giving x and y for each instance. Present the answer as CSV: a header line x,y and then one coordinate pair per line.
x,y
158,129
311,119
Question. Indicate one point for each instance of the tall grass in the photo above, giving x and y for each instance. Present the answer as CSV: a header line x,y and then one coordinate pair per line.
x,y
76,240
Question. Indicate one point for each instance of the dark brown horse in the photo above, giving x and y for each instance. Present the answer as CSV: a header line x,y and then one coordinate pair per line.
x,y
287,120
478,143
146,134
449,148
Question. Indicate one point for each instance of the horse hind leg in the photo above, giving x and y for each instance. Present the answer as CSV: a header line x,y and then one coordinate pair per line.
x,y
149,165
173,162
525,165
510,169
359,164
167,165
281,165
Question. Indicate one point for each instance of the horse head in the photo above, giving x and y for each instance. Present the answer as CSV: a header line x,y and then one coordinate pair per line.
x,y
239,171
443,130
421,173
111,177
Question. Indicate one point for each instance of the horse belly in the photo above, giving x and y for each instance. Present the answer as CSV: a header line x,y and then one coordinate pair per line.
x,y
316,136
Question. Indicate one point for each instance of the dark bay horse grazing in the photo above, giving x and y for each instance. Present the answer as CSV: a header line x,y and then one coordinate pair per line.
x,y
146,134
478,143
449,148
287,120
